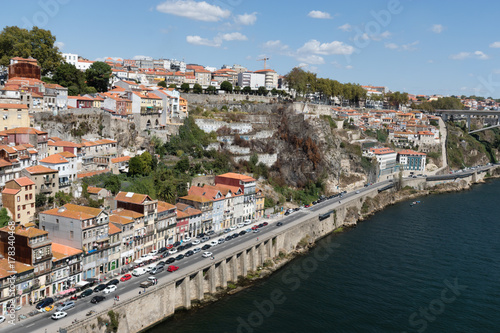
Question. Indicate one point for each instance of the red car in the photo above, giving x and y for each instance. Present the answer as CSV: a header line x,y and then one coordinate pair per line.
x,y
265,223
255,227
172,268
170,246
125,277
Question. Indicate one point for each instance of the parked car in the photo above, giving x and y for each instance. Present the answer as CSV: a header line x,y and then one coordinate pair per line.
x,y
45,302
100,287
126,277
196,242
2,319
241,225
49,308
146,284
248,230
200,235
279,224
114,281
139,271
204,239
181,248
357,192
234,235
162,249
205,247
65,306
206,254
179,257
187,245
210,232
221,240
110,289
156,270
232,228
59,315
172,250
265,224
228,238
170,260
257,230
227,230
86,293
187,239
196,250
189,253
214,242
247,222
169,246
242,232
172,268
97,299
177,244
160,264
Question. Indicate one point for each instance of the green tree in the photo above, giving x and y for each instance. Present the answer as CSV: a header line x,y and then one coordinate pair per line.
x,y
274,92
113,184
67,75
98,76
172,86
182,165
147,162
237,89
185,87
4,217
247,90
226,86
36,43
397,98
40,200
262,91
197,89
162,84
62,198
135,166
211,90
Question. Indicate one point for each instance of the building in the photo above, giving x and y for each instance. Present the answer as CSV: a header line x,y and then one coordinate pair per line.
x,y
22,275
24,68
97,193
46,179
165,225
66,267
194,218
202,204
66,168
412,160
386,159
126,224
83,228
247,185
13,115
270,78
25,136
259,204
34,248
252,80
18,197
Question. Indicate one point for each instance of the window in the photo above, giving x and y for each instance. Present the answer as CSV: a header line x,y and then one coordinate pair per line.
x,y
18,198
31,196
24,207
71,234
18,216
18,207
26,197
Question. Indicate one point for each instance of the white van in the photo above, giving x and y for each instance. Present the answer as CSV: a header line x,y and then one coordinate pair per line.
x,y
150,267
139,271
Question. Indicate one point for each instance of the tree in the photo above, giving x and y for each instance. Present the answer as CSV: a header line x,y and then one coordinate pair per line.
x,y
36,43
274,92
67,75
226,86
237,89
182,165
247,90
98,76
397,98
4,217
185,87
40,200
134,166
197,89
162,84
262,91
211,90
63,198
113,184
172,86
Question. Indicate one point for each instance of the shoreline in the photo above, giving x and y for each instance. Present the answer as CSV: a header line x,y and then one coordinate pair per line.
x,y
380,202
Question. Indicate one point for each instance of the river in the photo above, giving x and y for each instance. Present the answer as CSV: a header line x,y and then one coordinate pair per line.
x,y
433,267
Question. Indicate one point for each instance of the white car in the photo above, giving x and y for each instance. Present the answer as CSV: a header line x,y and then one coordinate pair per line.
x,y
207,254
2,319
247,222
240,225
59,315
109,289
232,228
196,250
172,250
150,267
213,243
153,253
196,242
187,239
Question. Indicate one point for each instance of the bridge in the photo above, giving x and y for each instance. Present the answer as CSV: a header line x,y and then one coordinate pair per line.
x,y
445,114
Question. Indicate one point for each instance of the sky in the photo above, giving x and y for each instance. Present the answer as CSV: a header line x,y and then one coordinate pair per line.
x,y
417,46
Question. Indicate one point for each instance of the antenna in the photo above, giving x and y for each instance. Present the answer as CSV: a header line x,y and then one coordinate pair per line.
x,y
263,59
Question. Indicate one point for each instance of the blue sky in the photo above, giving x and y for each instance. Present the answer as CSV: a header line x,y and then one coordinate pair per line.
x,y
422,47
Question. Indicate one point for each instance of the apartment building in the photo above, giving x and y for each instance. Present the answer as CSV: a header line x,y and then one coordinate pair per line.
x,y
18,198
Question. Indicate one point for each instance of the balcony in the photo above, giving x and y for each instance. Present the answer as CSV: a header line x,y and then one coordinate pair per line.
x,y
150,110
46,190
39,259
47,180
64,184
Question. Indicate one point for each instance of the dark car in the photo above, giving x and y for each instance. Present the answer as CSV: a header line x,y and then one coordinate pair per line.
x,y
200,235
265,224
86,293
162,249
164,254
177,244
160,263
234,235
261,225
287,213
100,287
188,245
181,248
206,247
46,302
242,232
228,238
279,224
179,257
210,232
189,253
97,299
169,260
114,281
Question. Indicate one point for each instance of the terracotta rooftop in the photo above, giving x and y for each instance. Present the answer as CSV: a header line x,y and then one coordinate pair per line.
x,y
26,232
74,212
24,181
60,251
54,159
10,191
132,197
237,176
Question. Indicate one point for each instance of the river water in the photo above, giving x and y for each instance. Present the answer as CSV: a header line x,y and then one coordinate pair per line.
x,y
433,267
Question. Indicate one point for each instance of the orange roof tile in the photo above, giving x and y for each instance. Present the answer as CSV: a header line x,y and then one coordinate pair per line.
x,y
26,232
10,191
132,197
12,106
113,229
74,212
115,218
40,169
237,176
24,181
94,190
54,159
120,159
61,251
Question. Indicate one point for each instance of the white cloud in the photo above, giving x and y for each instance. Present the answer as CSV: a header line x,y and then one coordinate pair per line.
x,y
194,10
246,19
142,57
315,47
317,14
467,55
403,47
346,27
311,59
59,45
197,40
437,28
495,45
376,37
348,67
233,36
276,46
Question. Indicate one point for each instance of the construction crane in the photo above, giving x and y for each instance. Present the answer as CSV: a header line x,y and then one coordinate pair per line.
x,y
263,59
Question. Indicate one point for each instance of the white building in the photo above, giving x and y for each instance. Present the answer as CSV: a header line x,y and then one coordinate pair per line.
x,y
252,80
